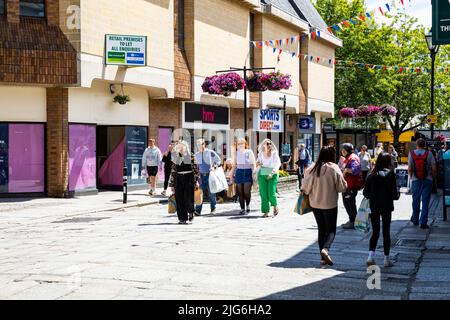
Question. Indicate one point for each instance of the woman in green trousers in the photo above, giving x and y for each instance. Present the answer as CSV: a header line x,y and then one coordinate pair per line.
x,y
268,164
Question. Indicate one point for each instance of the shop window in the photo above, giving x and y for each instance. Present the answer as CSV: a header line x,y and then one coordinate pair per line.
x,y
82,157
32,8
22,158
2,7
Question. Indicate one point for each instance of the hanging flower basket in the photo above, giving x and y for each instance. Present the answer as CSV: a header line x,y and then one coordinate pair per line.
x,y
348,113
223,84
363,112
388,111
278,81
121,99
373,110
258,82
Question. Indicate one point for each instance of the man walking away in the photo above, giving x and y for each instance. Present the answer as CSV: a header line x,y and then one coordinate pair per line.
x,y
304,158
206,159
422,170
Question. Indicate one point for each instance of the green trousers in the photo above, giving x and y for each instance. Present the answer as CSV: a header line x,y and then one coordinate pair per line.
x,y
268,191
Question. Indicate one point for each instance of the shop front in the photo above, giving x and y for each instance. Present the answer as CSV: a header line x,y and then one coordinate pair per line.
x,y
357,137
386,137
22,158
307,135
104,136
210,122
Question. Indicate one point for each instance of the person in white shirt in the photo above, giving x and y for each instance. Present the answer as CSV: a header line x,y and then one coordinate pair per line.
x,y
151,160
268,164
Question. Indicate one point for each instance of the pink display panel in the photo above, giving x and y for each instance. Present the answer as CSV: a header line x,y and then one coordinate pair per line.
x,y
164,138
111,172
26,158
82,157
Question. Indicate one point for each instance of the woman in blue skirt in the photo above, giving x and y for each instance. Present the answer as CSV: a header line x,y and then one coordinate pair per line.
x,y
242,175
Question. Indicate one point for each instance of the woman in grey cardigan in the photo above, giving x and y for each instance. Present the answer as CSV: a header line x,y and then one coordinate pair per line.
x,y
322,184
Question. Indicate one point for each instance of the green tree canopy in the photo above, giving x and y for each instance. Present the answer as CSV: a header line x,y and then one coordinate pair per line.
x,y
400,43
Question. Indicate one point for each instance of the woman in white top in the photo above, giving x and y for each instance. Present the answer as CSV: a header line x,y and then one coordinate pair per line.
x,y
242,175
268,164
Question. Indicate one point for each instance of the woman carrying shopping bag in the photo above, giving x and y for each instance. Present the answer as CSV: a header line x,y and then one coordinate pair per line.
x,y
184,181
381,190
322,184
268,164
242,175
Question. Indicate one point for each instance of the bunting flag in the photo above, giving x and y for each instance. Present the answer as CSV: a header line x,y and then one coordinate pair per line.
x,y
367,66
336,27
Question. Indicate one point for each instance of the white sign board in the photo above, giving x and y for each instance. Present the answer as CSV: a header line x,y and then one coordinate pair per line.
x,y
268,120
124,50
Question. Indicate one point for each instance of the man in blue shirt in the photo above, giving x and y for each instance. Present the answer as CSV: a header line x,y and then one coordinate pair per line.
x,y
206,160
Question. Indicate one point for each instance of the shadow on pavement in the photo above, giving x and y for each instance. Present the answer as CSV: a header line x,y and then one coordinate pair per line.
x,y
348,277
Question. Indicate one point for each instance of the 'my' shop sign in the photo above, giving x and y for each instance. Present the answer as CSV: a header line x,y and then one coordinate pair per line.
x,y
268,120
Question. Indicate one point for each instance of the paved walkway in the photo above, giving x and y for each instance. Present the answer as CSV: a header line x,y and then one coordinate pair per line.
x,y
142,253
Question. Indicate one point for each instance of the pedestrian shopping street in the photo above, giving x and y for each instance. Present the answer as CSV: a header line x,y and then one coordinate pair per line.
x,y
142,253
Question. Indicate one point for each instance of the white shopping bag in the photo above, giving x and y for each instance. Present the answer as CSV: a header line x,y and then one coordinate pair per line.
x,y
362,221
217,180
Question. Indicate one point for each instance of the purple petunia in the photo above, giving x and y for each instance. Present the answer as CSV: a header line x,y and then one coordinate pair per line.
x,y
388,111
223,84
348,112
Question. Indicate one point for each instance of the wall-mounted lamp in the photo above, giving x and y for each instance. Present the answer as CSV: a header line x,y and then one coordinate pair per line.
x,y
112,88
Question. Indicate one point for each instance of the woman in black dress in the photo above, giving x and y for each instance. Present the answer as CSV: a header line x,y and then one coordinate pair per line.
x,y
184,181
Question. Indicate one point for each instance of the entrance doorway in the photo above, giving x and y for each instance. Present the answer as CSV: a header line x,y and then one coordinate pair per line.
x,y
110,157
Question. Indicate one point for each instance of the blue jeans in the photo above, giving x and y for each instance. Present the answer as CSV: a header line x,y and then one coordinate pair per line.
x,y
204,184
421,191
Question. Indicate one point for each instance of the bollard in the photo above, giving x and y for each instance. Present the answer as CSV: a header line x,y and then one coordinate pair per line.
x,y
125,182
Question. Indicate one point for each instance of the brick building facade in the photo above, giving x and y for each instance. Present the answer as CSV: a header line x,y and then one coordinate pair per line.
x,y
59,109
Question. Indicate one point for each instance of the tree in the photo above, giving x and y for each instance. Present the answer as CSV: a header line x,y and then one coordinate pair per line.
x,y
400,43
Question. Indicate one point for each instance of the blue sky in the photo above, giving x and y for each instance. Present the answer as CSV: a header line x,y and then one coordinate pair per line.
x,y
421,9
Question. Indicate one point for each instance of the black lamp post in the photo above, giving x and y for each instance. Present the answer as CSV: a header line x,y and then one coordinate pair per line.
x,y
433,51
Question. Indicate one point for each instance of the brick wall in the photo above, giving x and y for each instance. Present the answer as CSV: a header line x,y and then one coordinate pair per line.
x,y
163,113
57,142
33,51
182,74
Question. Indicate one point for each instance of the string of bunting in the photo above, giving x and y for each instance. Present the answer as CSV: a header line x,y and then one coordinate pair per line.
x,y
381,9
333,61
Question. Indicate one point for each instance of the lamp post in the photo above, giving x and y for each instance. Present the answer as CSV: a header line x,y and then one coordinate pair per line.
x,y
284,117
434,49
245,69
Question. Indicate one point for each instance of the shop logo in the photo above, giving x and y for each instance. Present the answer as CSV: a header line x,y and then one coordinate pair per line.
x,y
306,123
136,132
269,115
208,116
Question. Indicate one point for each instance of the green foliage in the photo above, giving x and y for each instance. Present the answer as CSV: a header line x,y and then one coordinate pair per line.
x,y
399,43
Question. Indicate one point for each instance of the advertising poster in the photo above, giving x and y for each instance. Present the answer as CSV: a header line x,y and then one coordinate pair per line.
x,y
136,143
4,158
126,50
268,120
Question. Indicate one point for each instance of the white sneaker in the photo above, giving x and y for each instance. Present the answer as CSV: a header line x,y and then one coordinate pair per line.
x,y
388,263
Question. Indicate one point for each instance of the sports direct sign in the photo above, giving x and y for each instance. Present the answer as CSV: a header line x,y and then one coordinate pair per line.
x,y
269,120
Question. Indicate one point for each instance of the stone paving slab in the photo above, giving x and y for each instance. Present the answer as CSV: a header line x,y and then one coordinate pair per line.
x,y
142,253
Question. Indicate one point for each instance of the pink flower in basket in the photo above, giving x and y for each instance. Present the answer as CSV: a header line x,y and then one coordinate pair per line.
x,y
347,112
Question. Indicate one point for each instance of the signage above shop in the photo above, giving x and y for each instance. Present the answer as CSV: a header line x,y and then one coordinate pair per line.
x,y
268,120
307,125
432,119
441,21
206,114
122,50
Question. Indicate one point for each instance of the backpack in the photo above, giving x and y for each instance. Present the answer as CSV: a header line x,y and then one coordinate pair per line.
x,y
420,165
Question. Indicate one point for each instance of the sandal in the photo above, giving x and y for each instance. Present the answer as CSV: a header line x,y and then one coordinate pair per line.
x,y
275,211
326,257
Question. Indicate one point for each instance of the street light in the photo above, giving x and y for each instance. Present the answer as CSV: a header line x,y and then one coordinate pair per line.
x,y
433,51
